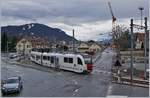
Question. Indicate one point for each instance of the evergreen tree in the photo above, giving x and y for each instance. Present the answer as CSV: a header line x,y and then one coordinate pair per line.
x,y
4,40
13,43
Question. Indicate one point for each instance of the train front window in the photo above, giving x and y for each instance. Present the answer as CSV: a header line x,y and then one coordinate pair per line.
x,y
44,58
80,61
87,60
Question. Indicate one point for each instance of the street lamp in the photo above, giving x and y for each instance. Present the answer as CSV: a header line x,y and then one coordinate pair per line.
x,y
7,56
141,9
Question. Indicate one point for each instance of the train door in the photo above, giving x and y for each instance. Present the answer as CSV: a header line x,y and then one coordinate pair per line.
x,y
75,65
52,61
56,62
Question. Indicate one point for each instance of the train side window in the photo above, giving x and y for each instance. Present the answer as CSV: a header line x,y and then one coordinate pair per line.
x,y
70,60
52,60
37,57
65,59
79,61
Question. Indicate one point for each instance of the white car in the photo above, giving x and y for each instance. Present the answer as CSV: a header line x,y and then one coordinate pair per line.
x,y
12,85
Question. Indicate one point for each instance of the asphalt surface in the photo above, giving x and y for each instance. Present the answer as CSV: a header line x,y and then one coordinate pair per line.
x,y
127,90
51,83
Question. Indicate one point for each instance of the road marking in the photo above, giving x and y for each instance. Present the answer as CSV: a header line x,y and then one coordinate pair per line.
x,y
109,90
102,71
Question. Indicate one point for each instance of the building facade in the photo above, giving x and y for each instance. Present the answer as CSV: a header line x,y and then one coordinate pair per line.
x,y
25,45
89,47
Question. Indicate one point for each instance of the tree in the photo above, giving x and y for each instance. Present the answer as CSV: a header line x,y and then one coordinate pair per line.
x,y
13,43
124,40
120,35
4,39
10,41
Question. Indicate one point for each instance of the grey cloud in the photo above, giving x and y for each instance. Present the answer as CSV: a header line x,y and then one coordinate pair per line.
x,y
72,12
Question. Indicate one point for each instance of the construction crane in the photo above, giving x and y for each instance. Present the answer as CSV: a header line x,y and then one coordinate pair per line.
x,y
113,17
114,26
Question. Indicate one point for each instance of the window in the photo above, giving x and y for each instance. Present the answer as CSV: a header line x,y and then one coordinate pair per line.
x,y
52,60
79,61
37,57
44,58
27,46
70,60
65,59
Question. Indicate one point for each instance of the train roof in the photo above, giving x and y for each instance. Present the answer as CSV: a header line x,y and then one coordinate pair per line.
x,y
84,55
54,53
60,54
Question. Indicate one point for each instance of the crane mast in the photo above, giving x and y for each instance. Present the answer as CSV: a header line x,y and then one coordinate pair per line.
x,y
113,17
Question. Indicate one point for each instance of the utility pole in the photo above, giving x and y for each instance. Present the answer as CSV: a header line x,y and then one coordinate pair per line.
x,y
145,47
73,41
131,52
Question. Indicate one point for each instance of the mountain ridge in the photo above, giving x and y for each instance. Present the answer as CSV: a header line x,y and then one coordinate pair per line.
x,y
37,29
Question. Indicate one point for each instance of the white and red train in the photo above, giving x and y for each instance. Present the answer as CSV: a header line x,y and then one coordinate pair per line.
x,y
71,62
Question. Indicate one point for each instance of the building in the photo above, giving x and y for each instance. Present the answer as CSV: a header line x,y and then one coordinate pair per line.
x,y
94,48
83,47
139,43
25,45
90,46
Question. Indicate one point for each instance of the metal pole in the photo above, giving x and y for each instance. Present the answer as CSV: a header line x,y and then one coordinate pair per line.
x,y
73,42
7,48
7,58
145,47
131,67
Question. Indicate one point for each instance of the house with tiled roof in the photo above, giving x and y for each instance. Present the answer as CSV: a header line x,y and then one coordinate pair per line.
x,y
26,44
83,47
90,46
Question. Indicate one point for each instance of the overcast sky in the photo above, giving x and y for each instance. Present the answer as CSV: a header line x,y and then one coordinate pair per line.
x,y
89,18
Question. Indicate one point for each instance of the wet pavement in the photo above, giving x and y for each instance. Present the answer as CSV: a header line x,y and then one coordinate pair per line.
x,y
127,90
51,83
62,83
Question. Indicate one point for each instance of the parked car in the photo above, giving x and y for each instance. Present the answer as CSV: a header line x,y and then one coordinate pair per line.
x,y
12,85
13,56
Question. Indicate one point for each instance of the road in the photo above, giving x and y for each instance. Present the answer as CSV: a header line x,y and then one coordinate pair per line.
x,y
62,83
51,83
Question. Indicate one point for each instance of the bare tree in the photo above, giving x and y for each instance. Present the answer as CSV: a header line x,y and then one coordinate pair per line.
x,y
118,36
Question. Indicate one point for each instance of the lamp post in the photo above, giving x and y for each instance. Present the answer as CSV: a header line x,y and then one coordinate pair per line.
x,y
131,52
141,9
73,41
145,47
7,56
